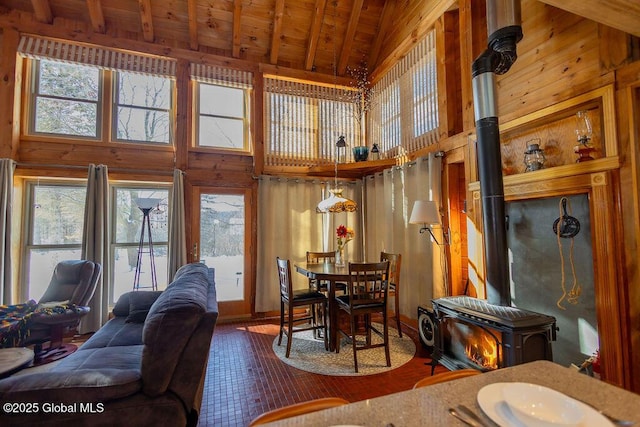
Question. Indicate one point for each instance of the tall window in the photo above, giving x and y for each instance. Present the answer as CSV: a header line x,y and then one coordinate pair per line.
x,y
143,107
404,111
66,99
223,117
126,235
53,228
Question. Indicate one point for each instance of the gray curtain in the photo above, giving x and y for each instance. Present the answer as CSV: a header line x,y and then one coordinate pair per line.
x,y
95,244
389,200
177,251
288,227
7,166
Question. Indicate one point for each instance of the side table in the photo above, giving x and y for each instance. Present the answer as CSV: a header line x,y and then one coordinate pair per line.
x,y
13,359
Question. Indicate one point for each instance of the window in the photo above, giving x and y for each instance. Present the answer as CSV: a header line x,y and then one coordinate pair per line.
x,y
223,119
72,94
404,113
304,121
66,99
143,107
126,237
54,224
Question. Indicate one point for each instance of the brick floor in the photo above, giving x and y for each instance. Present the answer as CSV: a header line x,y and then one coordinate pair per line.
x,y
245,378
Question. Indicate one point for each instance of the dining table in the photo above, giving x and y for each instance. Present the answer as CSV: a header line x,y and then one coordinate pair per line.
x,y
429,406
331,274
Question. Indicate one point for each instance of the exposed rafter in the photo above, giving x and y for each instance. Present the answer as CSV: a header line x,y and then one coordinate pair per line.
x,y
386,20
314,34
146,20
96,16
237,16
348,38
277,31
42,11
192,8
623,15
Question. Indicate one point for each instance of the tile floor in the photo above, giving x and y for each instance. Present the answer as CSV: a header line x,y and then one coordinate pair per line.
x,y
245,378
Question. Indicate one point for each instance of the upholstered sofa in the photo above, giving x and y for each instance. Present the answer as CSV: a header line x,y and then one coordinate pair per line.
x,y
145,366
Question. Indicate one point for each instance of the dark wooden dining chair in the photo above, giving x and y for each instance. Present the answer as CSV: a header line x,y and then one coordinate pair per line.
x,y
367,295
290,299
319,258
395,262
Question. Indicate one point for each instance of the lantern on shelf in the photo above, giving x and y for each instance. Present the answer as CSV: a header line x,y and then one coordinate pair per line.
x,y
534,157
584,132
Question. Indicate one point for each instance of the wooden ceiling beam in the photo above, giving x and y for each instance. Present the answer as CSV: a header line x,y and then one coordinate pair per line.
x,y
193,24
237,14
623,15
146,20
386,20
348,38
96,16
42,11
277,31
314,34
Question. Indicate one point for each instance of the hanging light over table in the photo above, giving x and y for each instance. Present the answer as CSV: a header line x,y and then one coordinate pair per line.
x,y
336,202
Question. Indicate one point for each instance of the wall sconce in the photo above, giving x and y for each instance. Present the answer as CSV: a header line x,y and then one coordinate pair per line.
x,y
426,213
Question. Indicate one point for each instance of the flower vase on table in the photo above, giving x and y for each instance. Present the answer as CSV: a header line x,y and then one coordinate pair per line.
x,y
344,235
340,257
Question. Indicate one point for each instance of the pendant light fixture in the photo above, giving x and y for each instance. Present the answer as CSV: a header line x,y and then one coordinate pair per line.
x,y
336,202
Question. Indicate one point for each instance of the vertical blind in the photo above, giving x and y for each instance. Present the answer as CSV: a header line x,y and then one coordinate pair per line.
x,y
404,113
42,48
303,121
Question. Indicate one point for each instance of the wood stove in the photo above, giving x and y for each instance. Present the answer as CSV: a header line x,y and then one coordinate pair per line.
x,y
473,333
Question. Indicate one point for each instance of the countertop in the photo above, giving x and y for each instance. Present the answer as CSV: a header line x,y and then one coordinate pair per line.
x,y
428,406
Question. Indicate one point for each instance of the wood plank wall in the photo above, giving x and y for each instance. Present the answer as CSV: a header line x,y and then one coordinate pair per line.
x,y
561,56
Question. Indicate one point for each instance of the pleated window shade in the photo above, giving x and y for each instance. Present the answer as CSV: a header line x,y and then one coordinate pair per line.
x,y
213,74
303,121
404,113
42,48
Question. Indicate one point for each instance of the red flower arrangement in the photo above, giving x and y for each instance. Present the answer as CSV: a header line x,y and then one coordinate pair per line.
x,y
344,235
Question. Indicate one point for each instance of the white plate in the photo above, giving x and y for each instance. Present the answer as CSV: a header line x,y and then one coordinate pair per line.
x,y
491,402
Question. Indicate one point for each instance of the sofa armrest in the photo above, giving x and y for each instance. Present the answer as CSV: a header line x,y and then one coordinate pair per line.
x,y
78,385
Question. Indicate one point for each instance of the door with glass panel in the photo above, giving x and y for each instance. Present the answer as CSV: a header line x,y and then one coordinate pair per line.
x,y
220,237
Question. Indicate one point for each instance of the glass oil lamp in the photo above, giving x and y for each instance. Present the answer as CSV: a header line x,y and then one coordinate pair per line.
x,y
584,132
534,157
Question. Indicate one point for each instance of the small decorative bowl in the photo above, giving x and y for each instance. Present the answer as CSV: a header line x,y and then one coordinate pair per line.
x,y
360,153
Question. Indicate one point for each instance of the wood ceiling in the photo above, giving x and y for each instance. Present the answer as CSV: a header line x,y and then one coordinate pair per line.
x,y
309,35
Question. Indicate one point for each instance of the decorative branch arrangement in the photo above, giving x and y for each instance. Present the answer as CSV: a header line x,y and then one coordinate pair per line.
x,y
362,98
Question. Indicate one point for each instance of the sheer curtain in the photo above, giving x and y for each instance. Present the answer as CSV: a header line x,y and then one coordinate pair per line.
x,y
288,227
7,166
95,244
177,227
389,200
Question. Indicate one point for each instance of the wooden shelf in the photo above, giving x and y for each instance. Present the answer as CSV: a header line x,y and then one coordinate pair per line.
x,y
352,170
549,174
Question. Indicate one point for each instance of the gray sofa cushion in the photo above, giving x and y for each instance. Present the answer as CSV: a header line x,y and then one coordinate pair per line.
x,y
140,303
169,326
70,386
115,333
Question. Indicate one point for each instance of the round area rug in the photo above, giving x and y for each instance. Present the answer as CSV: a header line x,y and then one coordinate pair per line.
x,y
308,354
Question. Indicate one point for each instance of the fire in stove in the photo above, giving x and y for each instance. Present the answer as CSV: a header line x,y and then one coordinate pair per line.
x,y
483,351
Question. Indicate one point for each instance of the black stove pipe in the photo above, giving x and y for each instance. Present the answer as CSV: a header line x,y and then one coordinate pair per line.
x,y
503,23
